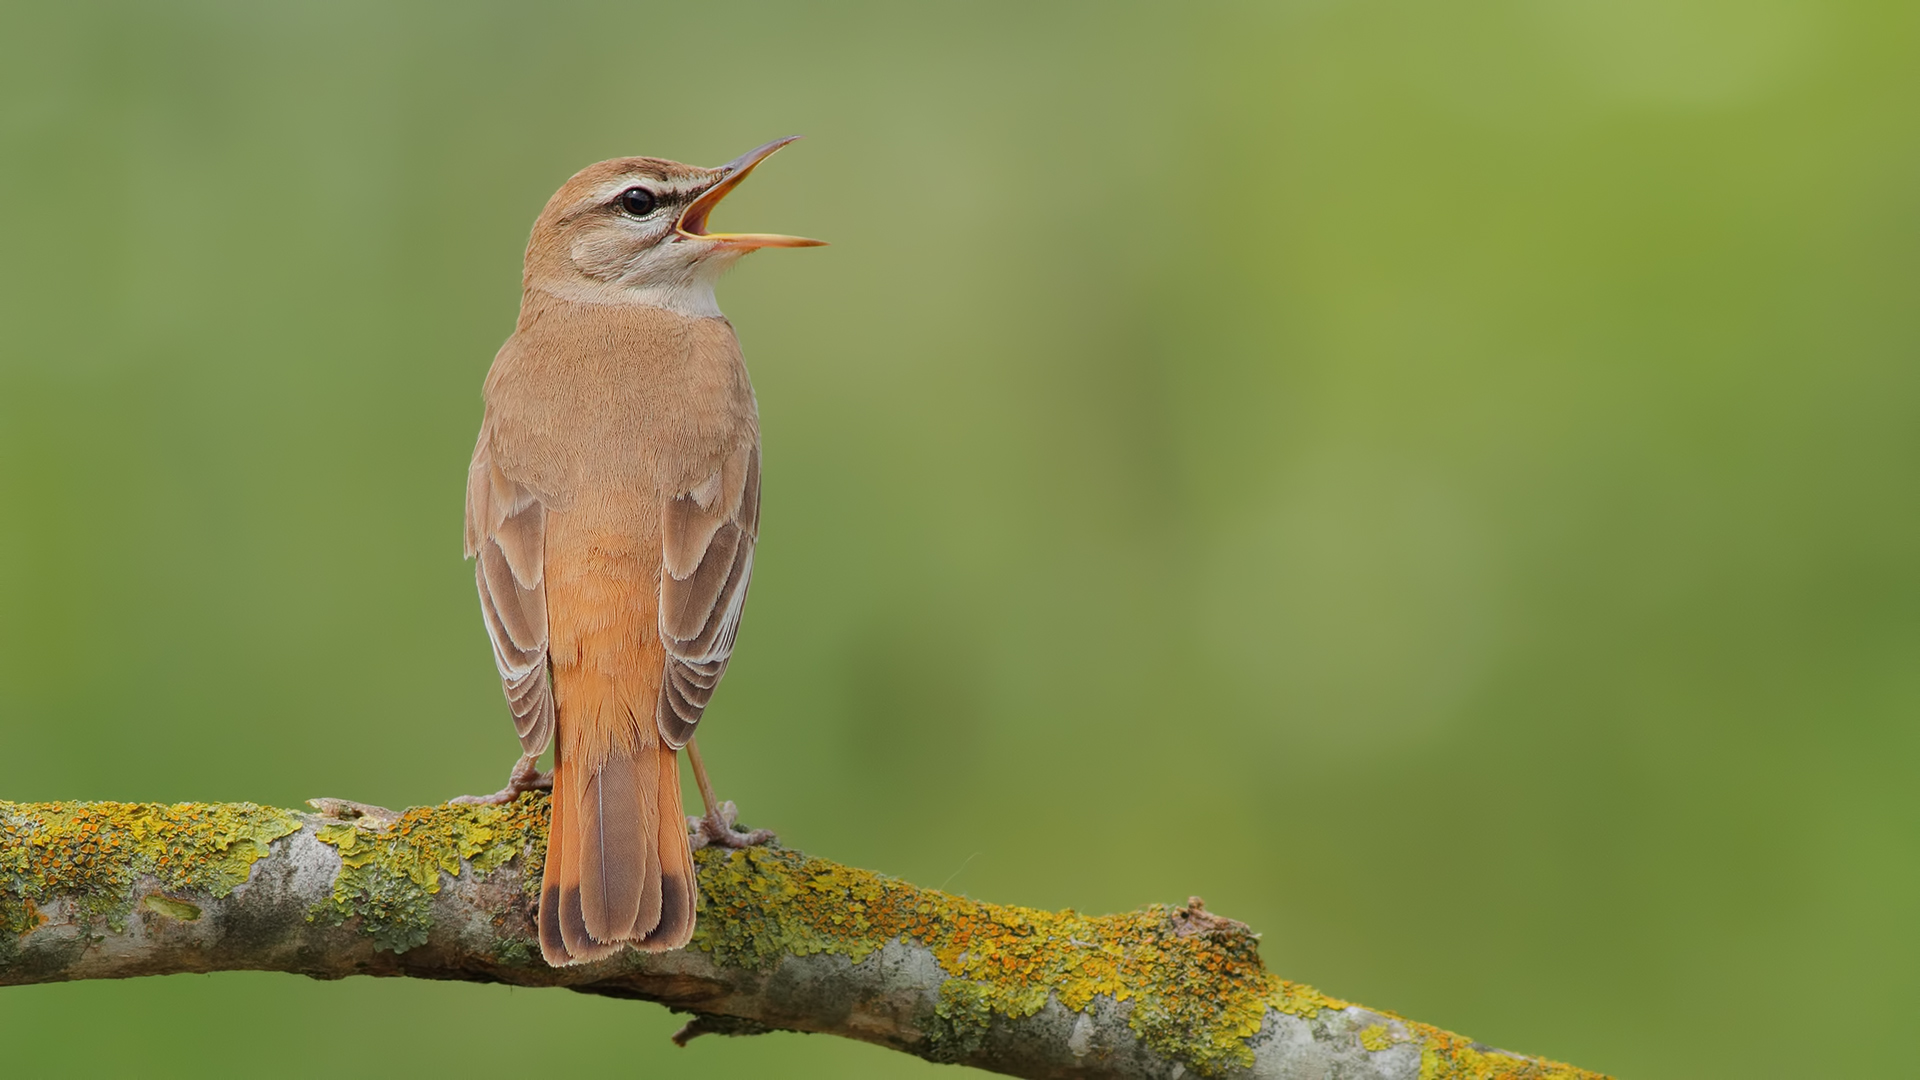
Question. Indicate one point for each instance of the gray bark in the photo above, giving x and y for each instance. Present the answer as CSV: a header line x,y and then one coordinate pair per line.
x,y
753,968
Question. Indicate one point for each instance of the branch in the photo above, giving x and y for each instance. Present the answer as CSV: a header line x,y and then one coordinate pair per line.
x,y
113,890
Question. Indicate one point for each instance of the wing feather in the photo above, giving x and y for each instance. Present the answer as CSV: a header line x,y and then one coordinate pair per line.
x,y
506,536
707,538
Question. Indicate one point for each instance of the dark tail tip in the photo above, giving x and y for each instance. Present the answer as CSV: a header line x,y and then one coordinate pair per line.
x,y
676,914
553,947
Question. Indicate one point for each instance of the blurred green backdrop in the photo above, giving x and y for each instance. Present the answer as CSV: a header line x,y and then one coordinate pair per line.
x,y
1436,480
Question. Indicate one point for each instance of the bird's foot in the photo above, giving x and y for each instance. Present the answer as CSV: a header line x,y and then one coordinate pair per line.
x,y
526,776
717,829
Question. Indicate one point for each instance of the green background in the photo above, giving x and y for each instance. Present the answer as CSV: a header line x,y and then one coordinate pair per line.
x,y
1436,480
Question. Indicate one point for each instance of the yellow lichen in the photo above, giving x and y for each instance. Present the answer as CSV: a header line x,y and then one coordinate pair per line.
x,y
1197,997
389,873
1376,1037
90,854
1446,1056
1195,984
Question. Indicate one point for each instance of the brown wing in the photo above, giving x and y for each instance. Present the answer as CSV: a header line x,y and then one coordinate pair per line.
x,y
506,535
707,538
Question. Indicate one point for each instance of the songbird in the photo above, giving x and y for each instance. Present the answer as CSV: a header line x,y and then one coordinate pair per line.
x,y
612,507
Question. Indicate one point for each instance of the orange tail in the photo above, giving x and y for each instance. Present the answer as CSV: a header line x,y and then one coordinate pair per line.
x,y
619,866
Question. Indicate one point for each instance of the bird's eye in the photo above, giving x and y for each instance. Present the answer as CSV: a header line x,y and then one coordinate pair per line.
x,y
637,201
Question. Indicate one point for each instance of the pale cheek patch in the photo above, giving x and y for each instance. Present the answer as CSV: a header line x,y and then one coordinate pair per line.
x,y
608,251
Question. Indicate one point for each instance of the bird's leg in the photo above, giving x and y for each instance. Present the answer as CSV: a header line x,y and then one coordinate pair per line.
x,y
526,776
717,826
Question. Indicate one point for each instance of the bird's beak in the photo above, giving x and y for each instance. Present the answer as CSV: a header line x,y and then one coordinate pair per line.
x,y
693,220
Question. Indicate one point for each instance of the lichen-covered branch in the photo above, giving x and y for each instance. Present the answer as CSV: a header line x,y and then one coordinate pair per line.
x,y
111,890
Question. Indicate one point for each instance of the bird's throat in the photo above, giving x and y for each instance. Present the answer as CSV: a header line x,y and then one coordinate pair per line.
x,y
692,297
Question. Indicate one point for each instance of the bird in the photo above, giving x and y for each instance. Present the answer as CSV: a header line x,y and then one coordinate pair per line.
x,y
612,509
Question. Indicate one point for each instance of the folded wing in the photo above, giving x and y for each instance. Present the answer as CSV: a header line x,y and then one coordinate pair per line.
x,y
707,538
506,536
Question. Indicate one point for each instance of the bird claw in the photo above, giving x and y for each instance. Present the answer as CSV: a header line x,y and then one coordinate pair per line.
x,y
717,829
526,776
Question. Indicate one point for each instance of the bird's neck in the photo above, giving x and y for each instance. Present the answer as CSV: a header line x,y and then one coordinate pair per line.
x,y
691,296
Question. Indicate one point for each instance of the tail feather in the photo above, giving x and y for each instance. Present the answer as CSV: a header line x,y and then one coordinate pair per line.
x,y
619,865
678,885
553,942
563,931
616,871
649,910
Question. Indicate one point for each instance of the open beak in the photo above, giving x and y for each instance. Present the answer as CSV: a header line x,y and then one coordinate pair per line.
x,y
693,220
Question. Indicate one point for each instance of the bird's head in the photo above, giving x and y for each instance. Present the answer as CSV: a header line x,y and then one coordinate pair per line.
x,y
634,231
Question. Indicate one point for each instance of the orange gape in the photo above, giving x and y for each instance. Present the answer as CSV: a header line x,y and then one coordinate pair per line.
x,y
612,509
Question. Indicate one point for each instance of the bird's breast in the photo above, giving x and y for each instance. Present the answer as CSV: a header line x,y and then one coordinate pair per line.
x,y
617,403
